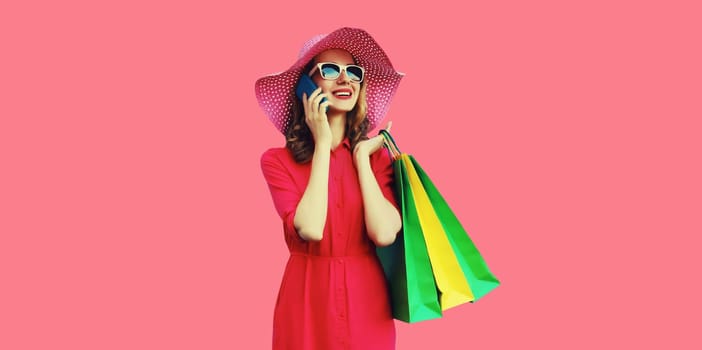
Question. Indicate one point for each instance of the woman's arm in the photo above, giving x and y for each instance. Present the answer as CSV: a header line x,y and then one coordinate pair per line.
x,y
311,213
383,221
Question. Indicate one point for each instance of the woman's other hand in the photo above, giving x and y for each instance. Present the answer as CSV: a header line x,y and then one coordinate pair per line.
x,y
365,148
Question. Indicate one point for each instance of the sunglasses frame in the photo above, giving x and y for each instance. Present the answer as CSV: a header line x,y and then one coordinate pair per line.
x,y
342,68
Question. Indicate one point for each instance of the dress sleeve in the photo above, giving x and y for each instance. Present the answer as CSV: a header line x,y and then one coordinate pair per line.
x,y
283,190
385,174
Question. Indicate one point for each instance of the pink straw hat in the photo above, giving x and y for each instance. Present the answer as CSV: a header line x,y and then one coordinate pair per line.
x,y
275,92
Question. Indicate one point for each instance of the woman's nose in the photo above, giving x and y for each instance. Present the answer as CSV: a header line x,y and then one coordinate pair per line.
x,y
343,77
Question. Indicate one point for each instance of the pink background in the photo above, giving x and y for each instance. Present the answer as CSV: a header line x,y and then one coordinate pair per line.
x,y
566,137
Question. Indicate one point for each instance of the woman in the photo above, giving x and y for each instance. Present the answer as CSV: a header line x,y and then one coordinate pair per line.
x,y
332,187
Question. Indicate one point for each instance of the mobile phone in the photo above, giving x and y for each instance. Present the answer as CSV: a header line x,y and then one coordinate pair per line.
x,y
306,85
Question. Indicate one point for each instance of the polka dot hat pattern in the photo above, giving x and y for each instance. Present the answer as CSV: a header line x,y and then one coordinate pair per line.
x,y
275,92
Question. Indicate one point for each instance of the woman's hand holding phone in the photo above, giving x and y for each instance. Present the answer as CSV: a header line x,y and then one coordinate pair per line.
x,y
315,106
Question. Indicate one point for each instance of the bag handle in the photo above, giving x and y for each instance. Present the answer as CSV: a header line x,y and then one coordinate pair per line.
x,y
390,144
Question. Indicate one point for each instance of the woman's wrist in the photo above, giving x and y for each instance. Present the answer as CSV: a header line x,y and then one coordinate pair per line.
x,y
361,160
322,146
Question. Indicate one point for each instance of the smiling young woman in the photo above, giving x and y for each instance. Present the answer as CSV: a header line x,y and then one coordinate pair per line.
x,y
332,187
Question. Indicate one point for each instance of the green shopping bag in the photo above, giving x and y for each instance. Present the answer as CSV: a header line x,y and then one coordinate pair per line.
x,y
406,262
472,266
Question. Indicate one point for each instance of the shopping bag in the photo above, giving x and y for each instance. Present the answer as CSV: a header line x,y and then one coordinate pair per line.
x,y
406,262
475,270
460,272
452,284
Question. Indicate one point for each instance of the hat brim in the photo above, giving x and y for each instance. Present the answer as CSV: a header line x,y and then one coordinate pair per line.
x,y
275,92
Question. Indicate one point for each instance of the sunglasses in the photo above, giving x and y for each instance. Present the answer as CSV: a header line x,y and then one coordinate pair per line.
x,y
332,71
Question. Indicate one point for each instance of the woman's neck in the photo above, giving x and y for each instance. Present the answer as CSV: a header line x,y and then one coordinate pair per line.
x,y
337,124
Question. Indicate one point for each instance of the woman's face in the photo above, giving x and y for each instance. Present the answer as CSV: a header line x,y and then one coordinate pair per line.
x,y
342,93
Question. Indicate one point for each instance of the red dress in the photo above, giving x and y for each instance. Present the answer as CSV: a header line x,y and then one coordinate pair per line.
x,y
333,294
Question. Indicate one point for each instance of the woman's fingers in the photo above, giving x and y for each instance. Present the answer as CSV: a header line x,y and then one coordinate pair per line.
x,y
371,145
318,100
314,95
323,107
314,102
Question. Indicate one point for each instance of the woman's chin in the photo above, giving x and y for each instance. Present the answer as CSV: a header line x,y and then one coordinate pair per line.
x,y
341,107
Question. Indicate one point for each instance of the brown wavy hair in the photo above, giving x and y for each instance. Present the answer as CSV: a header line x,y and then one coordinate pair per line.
x,y
298,137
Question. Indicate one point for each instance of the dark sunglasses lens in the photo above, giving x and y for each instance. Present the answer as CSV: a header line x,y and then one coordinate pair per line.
x,y
355,73
330,71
